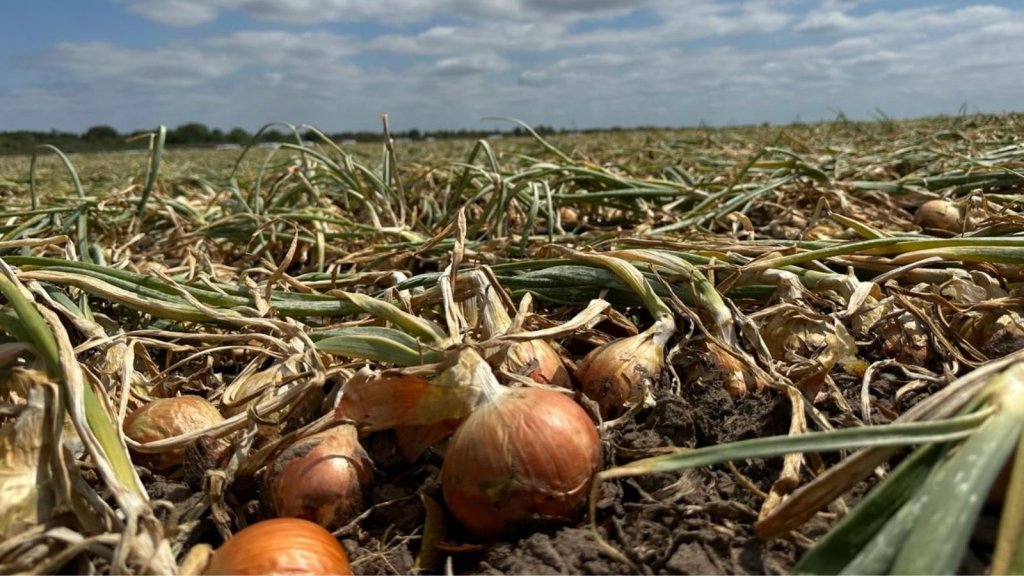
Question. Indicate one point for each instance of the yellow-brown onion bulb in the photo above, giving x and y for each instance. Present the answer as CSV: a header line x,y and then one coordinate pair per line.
x,y
536,359
541,359
527,456
322,478
167,418
280,546
612,375
940,215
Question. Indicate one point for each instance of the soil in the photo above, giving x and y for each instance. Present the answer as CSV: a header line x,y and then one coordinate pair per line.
x,y
698,521
695,522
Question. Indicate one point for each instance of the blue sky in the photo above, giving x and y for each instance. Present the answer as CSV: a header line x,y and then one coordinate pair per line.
x,y
443,64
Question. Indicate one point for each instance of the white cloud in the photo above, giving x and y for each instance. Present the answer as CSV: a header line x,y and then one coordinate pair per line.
x,y
472,65
175,12
195,12
929,19
179,65
735,60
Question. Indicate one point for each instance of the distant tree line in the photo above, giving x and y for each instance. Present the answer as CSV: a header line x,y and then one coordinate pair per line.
x,y
198,135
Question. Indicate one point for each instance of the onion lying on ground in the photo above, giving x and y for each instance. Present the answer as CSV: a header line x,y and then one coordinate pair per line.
x,y
940,215
167,418
540,361
280,546
536,358
322,478
619,375
525,456
615,375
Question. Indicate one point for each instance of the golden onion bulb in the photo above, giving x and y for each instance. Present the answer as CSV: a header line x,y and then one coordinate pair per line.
x,y
540,361
280,546
525,457
167,418
322,478
940,215
613,374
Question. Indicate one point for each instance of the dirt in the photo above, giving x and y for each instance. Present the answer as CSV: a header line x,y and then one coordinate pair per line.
x,y
695,522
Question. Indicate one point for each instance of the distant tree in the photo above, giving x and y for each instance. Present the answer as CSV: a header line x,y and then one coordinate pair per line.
x,y
217,135
239,136
191,133
274,136
101,134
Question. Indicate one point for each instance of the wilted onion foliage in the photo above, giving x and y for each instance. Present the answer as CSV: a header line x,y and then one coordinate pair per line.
x,y
748,350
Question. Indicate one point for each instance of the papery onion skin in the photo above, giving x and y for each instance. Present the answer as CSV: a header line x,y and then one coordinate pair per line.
x,y
323,478
612,374
527,457
280,546
167,418
545,361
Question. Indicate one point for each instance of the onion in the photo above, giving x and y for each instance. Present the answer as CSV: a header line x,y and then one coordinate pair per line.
x,y
421,411
167,418
280,546
940,215
526,456
570,216
809,344
539,360
322,478
615,375
536,358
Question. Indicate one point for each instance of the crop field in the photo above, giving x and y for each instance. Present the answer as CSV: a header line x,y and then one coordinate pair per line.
x,y
765,349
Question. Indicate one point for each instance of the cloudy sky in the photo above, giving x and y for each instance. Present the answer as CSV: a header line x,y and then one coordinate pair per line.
x,y
447,63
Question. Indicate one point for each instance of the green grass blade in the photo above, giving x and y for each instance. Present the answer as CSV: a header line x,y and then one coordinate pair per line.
x,y
840,439
156,151
34,326
954,495
97,418
376,343
1008,557
547,145
877,556
846,539
412,324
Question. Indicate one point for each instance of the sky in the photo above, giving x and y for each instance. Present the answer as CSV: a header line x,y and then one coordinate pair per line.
x,y
447,64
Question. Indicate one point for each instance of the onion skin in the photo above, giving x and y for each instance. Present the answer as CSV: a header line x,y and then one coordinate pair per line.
x,y
167,418
280,546
528,456
543,361
612,374
322,478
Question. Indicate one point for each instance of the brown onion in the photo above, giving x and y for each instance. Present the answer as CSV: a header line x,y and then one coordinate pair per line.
x,y
536,358
940,215
526,456
322,478
613,374
280,546
808,342
167,418
540,361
